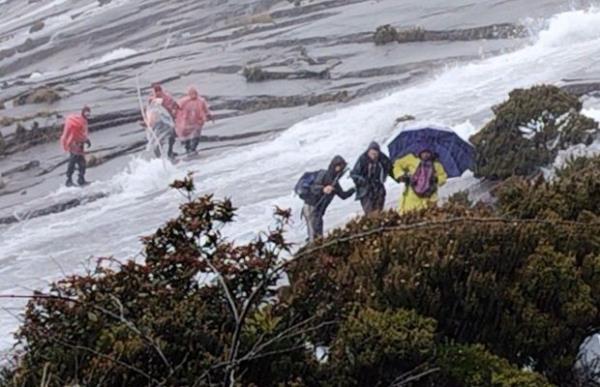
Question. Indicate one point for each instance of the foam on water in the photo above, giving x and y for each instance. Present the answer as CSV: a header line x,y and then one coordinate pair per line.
x,y
261,176
119,53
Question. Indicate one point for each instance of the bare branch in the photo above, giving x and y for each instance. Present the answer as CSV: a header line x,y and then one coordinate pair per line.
x,y
228,294
414,378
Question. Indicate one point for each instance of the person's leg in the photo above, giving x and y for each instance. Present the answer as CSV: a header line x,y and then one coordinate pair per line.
x,y
70,169
380,204
307,213
163,134
187,145
365,202
81,165
318,224
194,143
172,137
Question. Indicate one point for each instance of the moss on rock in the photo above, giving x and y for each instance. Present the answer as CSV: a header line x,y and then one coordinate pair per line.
x,y
41,95
385,34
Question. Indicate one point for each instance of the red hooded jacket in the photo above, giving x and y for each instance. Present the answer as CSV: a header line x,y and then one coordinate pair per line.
x,y
192,115
75,134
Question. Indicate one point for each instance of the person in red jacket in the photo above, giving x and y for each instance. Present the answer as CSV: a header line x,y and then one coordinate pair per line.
x,y
192,115
169,103
73,140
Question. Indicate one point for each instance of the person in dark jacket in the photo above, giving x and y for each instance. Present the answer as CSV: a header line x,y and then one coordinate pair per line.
x,y
369,175
324,188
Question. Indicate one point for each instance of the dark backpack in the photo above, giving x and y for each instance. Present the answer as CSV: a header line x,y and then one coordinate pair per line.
x,y
303,186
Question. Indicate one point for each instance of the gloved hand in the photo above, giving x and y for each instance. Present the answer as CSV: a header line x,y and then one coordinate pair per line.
x,y
405,179
88,143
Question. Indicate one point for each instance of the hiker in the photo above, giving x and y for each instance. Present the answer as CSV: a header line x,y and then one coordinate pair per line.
x,y
192,114
369,175
73,140
317,189
162,125
167,101
422,175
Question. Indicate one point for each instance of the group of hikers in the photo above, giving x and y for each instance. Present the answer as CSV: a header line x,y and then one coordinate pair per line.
x,y
420,171
166,120
422,158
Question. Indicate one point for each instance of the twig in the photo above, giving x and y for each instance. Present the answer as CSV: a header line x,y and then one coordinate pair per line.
x,y
230,298
415,377
151,341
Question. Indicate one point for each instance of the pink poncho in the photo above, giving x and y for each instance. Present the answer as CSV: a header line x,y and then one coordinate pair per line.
x,y
193,113
75,134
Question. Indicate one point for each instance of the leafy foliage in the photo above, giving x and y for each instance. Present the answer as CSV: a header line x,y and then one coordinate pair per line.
x,y
519,288
528,131
574,195
374,347
169,320
455,296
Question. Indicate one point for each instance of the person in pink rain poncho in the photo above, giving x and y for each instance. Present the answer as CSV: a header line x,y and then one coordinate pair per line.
x,y
73,140
192,115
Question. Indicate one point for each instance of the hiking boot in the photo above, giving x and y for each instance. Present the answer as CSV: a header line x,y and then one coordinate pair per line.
x,y
82,182
69,183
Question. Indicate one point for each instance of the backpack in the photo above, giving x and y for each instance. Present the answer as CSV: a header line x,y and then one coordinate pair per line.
x,y
304,184
424,181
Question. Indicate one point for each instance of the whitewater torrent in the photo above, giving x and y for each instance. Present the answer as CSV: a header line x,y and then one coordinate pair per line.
x,y
259,177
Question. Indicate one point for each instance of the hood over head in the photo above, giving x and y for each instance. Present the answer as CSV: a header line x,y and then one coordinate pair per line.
x,y
156,87
375,146
85,111
192,92
337,160
424,147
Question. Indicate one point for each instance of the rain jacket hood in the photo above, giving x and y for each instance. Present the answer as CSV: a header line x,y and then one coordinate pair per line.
x,y
374,146
336,161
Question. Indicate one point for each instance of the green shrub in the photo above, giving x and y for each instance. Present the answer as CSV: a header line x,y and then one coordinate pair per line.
x,y
169,320
473,366
573,195
516,287
374,347
528,131
447,297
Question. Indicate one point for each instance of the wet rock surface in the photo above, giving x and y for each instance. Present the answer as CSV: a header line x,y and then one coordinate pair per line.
x,y
263,65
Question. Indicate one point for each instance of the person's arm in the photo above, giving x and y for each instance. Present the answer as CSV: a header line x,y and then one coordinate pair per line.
x,y
339,191
207,111
357,175
404,168
387,165
440,173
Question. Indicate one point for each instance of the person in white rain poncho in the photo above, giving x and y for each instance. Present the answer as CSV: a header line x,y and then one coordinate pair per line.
x,y
162,125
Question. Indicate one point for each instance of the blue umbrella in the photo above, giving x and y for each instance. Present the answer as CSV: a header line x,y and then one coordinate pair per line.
x,y
455,154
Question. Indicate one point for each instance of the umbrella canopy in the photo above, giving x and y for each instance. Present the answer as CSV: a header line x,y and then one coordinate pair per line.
x,y
455,154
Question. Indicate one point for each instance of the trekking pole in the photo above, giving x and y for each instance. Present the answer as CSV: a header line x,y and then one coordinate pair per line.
x,y
141,103
335,181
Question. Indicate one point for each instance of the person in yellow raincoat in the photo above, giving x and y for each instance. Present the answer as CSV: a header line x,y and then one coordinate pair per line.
x,y
422,175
